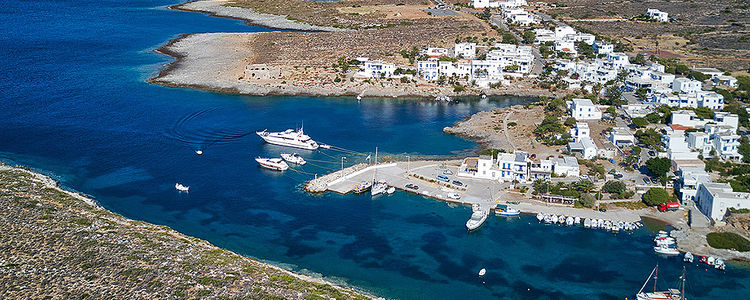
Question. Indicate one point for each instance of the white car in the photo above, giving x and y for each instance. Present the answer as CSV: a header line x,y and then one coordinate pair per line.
x,y
454,196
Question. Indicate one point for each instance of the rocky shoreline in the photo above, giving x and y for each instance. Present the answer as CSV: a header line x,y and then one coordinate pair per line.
x,y
224,9
61,244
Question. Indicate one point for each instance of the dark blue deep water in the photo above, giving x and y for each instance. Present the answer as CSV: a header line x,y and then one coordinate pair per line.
x,y
74,104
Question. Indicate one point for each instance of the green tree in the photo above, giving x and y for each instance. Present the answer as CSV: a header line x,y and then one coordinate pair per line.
x,y
588,200
639,60
570,122
649,137
681,69
529,36
653,118
658,166
549,125
656,196
585,49
698,76
614,187
640,122
704,113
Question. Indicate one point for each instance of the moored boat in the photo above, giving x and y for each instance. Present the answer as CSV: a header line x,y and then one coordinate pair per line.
x,y
670,294
504,210
688,257
293,158
666,250
391,190
276,164
362,187
540,217
289,138
477,219
378,188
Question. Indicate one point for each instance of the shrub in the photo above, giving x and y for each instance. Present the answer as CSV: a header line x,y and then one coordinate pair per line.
x,y
640,122
656,196
658,166
728,240
614,187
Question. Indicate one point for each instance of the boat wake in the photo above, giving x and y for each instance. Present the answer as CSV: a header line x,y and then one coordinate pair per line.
x,y
198,131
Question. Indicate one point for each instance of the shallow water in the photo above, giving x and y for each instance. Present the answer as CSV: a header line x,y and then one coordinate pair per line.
x,y
75,105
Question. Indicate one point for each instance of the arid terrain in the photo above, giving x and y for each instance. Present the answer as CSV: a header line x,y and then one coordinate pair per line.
x,y
703,33
62,245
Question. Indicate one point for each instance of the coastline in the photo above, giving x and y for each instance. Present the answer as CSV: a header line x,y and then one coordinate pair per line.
x,y
117,247
219,8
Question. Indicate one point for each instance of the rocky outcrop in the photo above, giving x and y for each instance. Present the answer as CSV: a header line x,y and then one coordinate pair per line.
x,y
62,245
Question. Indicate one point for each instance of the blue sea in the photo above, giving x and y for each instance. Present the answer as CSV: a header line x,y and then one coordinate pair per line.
x,y
74,104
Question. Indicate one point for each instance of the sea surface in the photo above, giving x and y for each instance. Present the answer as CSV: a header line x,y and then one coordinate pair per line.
x,y
74,104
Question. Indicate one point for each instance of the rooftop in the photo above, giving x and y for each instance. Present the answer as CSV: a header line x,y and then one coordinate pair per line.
x,y
582,102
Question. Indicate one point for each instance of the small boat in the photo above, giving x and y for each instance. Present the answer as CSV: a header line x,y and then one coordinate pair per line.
x,y
670,294
554,219
688,257
199,152
477,219
482,272
504,210
666,250
587,223
569,221
276,164
711,260
293,158
719,264
391,190
484,96
181,187
665,241
362,187
540,216
378,188
359,98
577,220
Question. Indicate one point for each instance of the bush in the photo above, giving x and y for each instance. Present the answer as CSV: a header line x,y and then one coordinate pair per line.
x,y
739,211
656,196
640,122
614,187
570,122
659,166
728,240
588,200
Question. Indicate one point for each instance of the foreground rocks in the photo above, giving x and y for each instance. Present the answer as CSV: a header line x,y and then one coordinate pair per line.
x,y
61,245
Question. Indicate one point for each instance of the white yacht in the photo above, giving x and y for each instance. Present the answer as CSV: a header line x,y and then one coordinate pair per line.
x,y
504,210
391,190
378,188
289,138
477,219
276,164
181,187
666,250
293,158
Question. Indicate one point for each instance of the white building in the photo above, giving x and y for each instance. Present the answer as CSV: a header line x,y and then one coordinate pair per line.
x,y
699,141
713,72
690,119
714,199
677,147
689,181
434,52
507,167
465,50
580,131
724,141
378,68
567,46
503,4
657,15
584,109
565,166
602,47
686,85
428,69
519,16
621,136
617,61
543,36
585,146
728,81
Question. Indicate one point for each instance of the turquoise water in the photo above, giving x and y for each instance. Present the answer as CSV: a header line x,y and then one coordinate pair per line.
x,y
75,105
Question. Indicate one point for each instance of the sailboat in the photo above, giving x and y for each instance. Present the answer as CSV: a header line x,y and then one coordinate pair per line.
x,y
670,294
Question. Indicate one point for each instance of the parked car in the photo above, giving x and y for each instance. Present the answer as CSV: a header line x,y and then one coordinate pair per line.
x,y
646,180
458,183
447,172
651,153
603,209
412,186
454,196
443,178
618,175
636,167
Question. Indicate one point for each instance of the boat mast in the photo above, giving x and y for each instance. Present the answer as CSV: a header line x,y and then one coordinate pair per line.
x,y
647,279
656,276
682,293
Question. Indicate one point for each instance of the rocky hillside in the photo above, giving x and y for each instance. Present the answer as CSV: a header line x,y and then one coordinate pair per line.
x,y
739,223
62,245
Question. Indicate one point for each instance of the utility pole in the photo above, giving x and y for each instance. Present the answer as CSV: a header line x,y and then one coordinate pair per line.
x,y
342,166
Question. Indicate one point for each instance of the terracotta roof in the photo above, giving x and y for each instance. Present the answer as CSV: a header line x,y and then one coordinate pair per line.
x,y
680,127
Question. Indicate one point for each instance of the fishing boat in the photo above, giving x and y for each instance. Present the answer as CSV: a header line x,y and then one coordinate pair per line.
x,y
670,294
378,188
577,220
504,210
181,187
289,138
554,219
688,257
540,217
482,272
587,223
293,158
666,250
199,152
477,219
719,264
362,187
569,221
